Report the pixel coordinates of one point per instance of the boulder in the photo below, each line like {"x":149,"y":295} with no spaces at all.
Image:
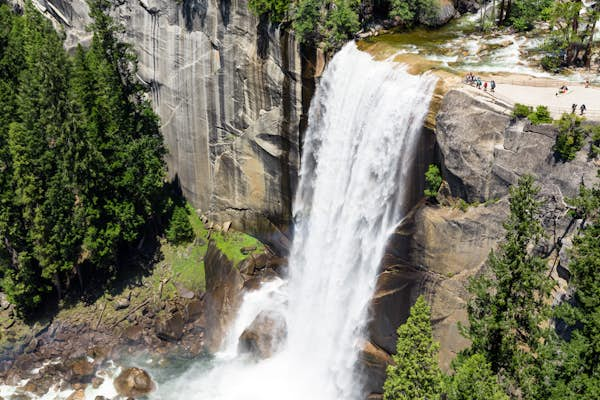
{"x":194,"y":309}
{"x":264,"y":335}
{"x":170,"y":327}
{"x":134,"y":382}
{"x":121,"y":304}
{"x":443,"y":14}
{"x":133,"y":333}
{"x":80,"y":369}
{"x":4,"y":303}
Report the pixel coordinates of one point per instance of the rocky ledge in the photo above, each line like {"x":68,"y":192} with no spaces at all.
{"x":482,"y":151}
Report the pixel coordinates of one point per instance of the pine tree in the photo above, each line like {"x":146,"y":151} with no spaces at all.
{"x":579,"y":371}
{"x":180,"y":229}
{"x":473,"y":380}
{"x":118,"y":159}
{"x":33,"y":140}
{"x":508,"y":310}
{"x":415,"y":374}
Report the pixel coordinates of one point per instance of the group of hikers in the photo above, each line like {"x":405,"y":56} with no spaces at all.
{"x":582,"y":108}
{"x":478,"y":83}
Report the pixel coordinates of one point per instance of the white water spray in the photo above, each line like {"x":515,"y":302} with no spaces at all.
{"x":363,"y":129}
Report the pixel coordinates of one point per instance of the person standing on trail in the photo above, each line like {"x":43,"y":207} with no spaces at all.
{"x":582,"y":108}
{"x":492,"y":85}
{"x":573,"y":108}
{"x":485,"y":86}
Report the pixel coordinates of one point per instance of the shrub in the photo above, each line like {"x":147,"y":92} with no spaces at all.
{"x":180,"y":229}
{"x":595,"y":144}
{"x":341,"y":23}
{"x":521,"y":110}
{"x":275,"y":9}
{"x":541,"y":115}
{"x":570,"y":137}
{"x":411,"y":12}
{"x":306,"y":17}
{"x":433,"y":181}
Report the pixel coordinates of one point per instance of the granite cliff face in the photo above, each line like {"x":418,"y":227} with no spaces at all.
{"x":228,"y":90}
{"x":436,"y":248}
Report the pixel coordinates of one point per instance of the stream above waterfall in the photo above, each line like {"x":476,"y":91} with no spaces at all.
{"x":460,"y":47}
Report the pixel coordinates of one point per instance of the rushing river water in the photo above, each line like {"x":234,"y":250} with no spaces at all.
{"x":364,"y":123}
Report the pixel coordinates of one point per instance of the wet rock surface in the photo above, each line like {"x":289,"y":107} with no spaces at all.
{"x":134,"y":382}
{"x":264,"y":335}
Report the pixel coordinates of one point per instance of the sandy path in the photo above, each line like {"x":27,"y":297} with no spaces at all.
{"x":557,"y":104}
{"x":543,"y":92}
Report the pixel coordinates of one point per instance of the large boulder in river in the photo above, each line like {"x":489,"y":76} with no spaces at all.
{"x":443,"y":12}
{"x":134,"y":382}
{"x":264,"y":335}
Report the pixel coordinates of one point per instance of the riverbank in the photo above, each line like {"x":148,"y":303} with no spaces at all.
{"x":158,"y":313}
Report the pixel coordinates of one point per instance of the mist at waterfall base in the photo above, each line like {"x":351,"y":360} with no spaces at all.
{"x":363,"y":129}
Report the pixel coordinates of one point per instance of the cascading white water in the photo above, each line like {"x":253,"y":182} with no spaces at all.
{"x":363,"y":129}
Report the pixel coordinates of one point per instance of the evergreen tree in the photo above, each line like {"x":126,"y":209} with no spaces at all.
{"x":508,"y":310}
{"x":579,"y":372}
{"x":34,"y":138}
{"x":118,"y":136}
{"x":180,"y":229}
{"x":415,"y":374}
{"x":473,"y":380}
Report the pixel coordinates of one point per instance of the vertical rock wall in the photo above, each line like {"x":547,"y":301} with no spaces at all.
{"x":228,"y":90}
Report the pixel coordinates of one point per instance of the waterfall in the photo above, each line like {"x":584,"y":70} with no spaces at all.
{"x":363,"y":130}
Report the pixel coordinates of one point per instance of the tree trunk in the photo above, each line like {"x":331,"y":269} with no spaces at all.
{"x":58,"y":285}
{"x":587,"y":56}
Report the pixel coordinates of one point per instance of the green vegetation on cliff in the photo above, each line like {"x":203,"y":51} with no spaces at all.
{"x":81,"y":156}
{"x":415,"y":374}
{"x":433,"y":181}
{"x":510,"y":297}
{"x":522,"y":347}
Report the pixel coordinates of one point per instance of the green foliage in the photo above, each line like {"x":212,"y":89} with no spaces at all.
{"x":330,"y":22}
{"x":81,"y":155}
{"x":523,"y":14}
{"x":415,"y":374}
{"x":473,"y":380}
{"x":509,"y":300}
{"x":180,"y":229}
{"x":433,"y":181}
{"x":276,"y":10}
{"x":412,"y":12}
{"x":541,"y":115}
{"x":579,"y":370}
{"x":521,"y":110}
{"x":570,"y":137}
{"x":306,"y":20}
{"x":341,"y":23}
{"x":594,"y":132}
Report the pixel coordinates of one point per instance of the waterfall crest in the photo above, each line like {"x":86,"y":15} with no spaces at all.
{"x":363,"y":130}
